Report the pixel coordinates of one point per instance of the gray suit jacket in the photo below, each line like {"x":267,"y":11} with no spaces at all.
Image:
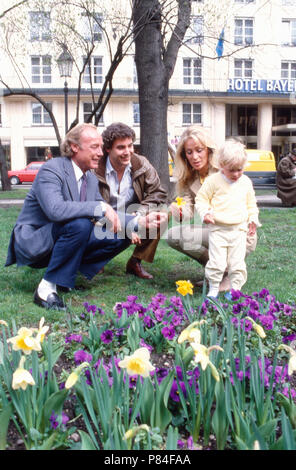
{"x":53,"y":198}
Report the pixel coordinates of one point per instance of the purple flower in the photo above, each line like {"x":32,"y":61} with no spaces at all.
{"x":168,"y":332}
{"x":288,"y":338}
{"x":73,"y":338}
{"x":55,"y":421}
{"x":266,"y":321}
{"x":246,"y":324}
{"x":236,"y":294}
{"x":287,"y":310}
{"x":161,"y":373}
{"x":145,"y":345}
{"x":236,"y":308}
{"x":180,"y":444}
{"x":159,"y":314}
{"x":174,"y":393}
{"x":148,"y":321}
{"x":107,"y":336}
{"x":90,"y":308}
{"x":263,"y":293}
{"x":82,"y":356}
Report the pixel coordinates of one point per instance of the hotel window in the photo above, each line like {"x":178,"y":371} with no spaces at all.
{"x":91,"y":27}
{"x":242,"y":68}
{"x":41,"y":69}
{"x":191,"y":113}
{"x":39,"y":26}
{"x":288,"y":32}
{"x":94,"y":70}
{"x":39,"y":114}
{"x":191,"y":71}
{"x":136,"y":113}
{"x":243,"y":31}
{"x":288,"y":70}
{"x":194,"y":34}
{"x":87,"y":111}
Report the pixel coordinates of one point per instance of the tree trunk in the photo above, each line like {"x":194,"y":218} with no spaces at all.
{"x":155,"y":64}
{"x":3,"y":170}
{"x":153,"y":85}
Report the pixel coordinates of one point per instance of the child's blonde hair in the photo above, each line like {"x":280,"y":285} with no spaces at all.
{"x":232,"y":154}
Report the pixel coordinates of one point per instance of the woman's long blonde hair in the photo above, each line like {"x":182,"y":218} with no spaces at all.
{"x":183,"y":171}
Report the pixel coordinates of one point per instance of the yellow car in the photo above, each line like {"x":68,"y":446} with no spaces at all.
{"x":261,"y":166}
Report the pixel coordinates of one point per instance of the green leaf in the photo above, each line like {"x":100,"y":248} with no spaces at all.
{"x":4,"y":422}
{"x":54,"y":404}
{"x":86,"y":441}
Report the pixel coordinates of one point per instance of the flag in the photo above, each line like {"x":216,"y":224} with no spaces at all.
{"x":220,"y":44}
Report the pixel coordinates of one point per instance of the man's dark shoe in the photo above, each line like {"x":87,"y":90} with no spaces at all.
{"x":134,"y":267}
{"x":53,"y":301}
{"x":65,"y":290}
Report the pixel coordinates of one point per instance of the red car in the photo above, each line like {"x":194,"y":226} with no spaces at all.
{"x":27,"y":175}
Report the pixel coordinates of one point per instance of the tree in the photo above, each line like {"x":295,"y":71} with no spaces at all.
{"x":155,"y":62}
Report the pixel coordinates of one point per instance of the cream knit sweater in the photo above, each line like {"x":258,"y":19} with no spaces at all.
{"x":229,"y":203}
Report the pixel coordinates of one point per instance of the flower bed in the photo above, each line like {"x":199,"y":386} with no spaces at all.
{"x":169,"y":375}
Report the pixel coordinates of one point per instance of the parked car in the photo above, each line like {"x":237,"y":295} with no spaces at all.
{"x":261,"y":167}
{"x":27,"y":175}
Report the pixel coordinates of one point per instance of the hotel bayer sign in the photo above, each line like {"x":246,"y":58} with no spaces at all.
{"x":253,"y":85}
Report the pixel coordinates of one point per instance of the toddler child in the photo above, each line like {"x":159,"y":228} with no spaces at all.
{"x":226,"y":201}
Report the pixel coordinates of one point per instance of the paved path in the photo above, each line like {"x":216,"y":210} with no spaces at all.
{"x":266,"y":200}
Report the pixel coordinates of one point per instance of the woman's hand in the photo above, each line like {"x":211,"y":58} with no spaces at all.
{"x":176,"y":211}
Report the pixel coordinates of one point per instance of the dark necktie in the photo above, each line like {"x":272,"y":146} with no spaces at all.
{"x":83,"y":188}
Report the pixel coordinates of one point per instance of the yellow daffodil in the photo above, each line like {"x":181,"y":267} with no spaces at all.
{"x":202,"y":356}
{"x":74,"y":376}
{"x":3,"y":322}
{"x":257,"y":328}
{"x":138,"y":363}
{"x":180,"y":202}
{"x":22,"y":377}
{"x":25,"y":341}
{"x":292,"y":360}
{"x":42,"y":330}
{"x":184,"y":287}
{"x":191,"y":333}
{"x":134,"y":431}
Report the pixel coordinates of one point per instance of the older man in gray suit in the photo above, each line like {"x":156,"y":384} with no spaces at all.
{"x":56,"y":227}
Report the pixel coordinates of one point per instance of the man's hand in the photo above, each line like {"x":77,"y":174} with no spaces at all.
{"x":153,"y":219}
{"x":135,"y":240}
{"x":209,"y":219}
{"x":113,"y":218}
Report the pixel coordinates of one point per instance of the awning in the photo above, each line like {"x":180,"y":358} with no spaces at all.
{"x":284,"y":128}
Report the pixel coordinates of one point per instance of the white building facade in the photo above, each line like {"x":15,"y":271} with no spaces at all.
{"x":250,"y":92}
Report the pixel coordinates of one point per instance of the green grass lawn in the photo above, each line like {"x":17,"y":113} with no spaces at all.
{"x":15,"y":193}
{"x":272,"y":266}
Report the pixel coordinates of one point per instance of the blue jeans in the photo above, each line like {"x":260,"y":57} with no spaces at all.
{"x":77,"y":249}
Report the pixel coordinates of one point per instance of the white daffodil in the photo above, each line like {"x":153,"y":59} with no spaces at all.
{"x":202,"y":356}
{"x":25,"y":341}
{"x":292,"y":360}
{"x":138,"y":363}
{"x":21,"y":377}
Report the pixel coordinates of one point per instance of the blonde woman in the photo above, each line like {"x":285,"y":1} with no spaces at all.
{"x":194,"y":161}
